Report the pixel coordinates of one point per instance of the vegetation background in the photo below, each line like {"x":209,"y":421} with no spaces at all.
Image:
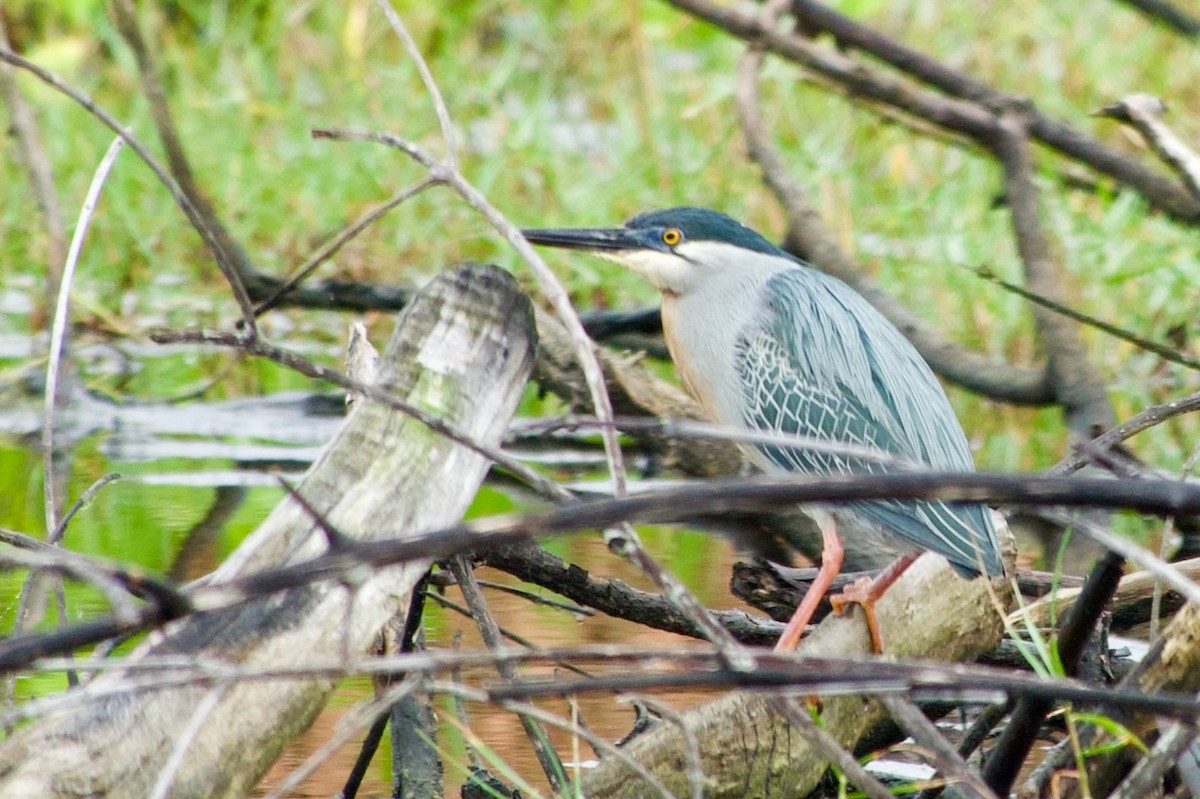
{"x":568,"y":113}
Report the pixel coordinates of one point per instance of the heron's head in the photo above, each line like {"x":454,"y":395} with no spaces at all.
{"x":675,"y":249}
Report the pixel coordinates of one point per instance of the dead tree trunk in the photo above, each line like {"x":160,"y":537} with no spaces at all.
{"x":463,"y":352}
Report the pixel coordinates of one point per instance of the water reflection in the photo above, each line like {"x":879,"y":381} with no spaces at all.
{"x":181,"y":509}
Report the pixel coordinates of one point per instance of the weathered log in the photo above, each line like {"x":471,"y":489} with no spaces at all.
{"x":462,"y":351}
{"x":1130,"y":604}
{"x":745,"y":749}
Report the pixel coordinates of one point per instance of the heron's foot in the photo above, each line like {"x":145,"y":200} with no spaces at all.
{"x":864,"y":593}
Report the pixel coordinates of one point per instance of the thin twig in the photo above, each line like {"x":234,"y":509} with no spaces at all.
{"x":331,"y":247}
{"x":39,"y":168}
{"x":489,"y":630}
{"x":59,"y":330}
{"x":349,"y":726}
{"x":945,"y":757}
{"x":1160,"y":191}
{"x":259,"y":348}
{"x":186,"y":737}
{"x":1144,"y":113}
{"x":1143,"y":420}
{"x":1168,"y":15}
{"x":431,"y":86}
{"x":82,"y":502}
{"x":1161,"y":350}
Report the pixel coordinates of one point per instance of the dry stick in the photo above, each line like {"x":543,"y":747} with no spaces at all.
{"x":431,"y":86}
{"x":225,"y":261}
{"x":962,"y":366}
{"x":690,"y":428}
{"x":79,"y":504}
{"x":1145,"y":778}
{"x":600,"y":744}
{"x":489,"y":630}
{"x":1161,"y":192}
{"x":687,"y":667}
{"x":1167,"y":14}
{"x":407,"y":643}
{"x":36,"y":555}
{"x":1144,"y":420}
{"x":945,"y":757}
{"x":331,"y":247}
{"x":125,"y":16}
{"x":531,"y":563}
{"x":39,"y":168}
{"x":447,"y":172}
{"x":58,"y":334}
{"x":1144,"y":113}
{"x":348,"y":726}
{"x":205,"y":708}
{"x":1161,"y":350}
{"x":298,"y":363}
{"x":1157,"y":597}
{"x":1077,"y":386}
{"x":1164,"y":497}
{"x":511,"y":635}
{"x":1130,"y":551}
{"x":59,"y":331}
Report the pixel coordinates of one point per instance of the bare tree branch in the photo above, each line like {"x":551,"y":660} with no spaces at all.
{"x":1160,"y":191}
{"x":1168,"y":15}
{"x":1145,"y":113}
{"x":1077,"y":386}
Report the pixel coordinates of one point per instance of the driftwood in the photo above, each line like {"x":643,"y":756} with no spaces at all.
{"x":463,"y":351}
{"x":745,"y":749}
{"x":1130,"y":605}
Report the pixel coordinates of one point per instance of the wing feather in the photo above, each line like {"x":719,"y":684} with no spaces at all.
{"x":822,"y":362}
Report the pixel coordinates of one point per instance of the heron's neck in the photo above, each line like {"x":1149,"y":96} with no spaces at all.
{"x":702,"y":328}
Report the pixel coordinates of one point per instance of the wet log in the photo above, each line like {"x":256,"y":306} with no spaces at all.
{"x":745,"y":749}
{"x":462,"y":351}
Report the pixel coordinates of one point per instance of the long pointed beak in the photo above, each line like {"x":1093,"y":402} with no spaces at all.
{"x":592,"y":239}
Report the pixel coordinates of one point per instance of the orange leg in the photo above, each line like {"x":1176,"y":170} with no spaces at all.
{"x":866,"y":592}
{"x":831,"y":565}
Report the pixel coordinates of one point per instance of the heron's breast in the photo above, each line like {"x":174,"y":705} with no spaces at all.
{"x":702,"y":338}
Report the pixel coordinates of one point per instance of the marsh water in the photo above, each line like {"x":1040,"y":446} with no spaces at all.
{"x":196,"y":477}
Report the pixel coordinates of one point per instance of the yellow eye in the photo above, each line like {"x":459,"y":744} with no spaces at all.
{"x":672,"y":236}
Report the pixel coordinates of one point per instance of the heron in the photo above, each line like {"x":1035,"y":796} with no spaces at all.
{"x":764,"y":341}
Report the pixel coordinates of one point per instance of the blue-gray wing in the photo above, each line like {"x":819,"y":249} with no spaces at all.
{"x":823,"y":363}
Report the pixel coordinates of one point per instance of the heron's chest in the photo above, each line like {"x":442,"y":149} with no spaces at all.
{"x":702,"y":336}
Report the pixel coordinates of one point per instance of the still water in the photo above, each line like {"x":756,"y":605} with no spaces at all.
{"x":195,"y":482}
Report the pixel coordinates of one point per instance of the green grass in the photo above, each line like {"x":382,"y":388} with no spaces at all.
{"x":582,"y":114}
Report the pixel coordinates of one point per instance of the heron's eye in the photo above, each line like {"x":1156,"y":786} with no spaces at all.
{"x":672,"y":236}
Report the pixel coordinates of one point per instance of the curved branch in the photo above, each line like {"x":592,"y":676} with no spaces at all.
{"x":1167,"y":15}
{"x":1144,"y":113}
{"x":1077,"y":385}
{"x":1159,"y":190}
